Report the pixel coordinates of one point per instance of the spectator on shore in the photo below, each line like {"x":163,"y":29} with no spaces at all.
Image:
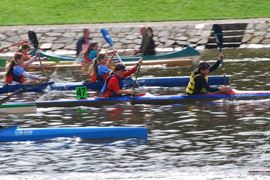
{"x":83,"y":42}
{"x":147,"y":44}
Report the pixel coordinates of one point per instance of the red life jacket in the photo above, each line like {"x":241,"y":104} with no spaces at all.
{"x":11,"y":77}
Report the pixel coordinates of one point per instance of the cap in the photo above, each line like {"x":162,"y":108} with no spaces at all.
{"x":120,"y":67}
{"x":203,"y":65}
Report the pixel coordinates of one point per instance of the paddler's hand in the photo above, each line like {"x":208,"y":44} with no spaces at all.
{"x":224,"y":88}
{"x":130,"y":91}
{"x":42,"y":79}
{"x":139,"y":63}
{"x":37,"y":55}
{"x":221,"y":56}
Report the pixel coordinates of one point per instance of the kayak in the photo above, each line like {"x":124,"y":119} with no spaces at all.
{"x":26,"y":88}
{"x":174,"y":81}
{"x":144,"y":99}
{"x":15,"y":133}
{"x":184,"y":53}
{"x":184,"y":57}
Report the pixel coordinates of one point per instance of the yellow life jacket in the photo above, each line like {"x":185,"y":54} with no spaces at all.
{"x":191,"y":84}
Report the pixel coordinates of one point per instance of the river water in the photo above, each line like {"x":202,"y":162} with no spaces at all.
{"x":222,"y":139}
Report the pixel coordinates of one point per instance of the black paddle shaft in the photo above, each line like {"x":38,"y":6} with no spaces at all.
{"x":5,"y":99}
{"x":218,"y":36}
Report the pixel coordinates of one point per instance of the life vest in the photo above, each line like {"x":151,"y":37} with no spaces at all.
{"x":191,"y":85}
{"x":95,"y":77}
{"x":12,"y":77}
{"x":86,"y":59}
{"x":105,"y":88}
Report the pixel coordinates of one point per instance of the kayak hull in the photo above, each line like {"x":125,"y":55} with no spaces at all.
{"x":174,"y":81}
{"x":186,"y":52}
{"x":146,"y":99}
{"x":15,"y":133}
{"x":177,"y":81}
{"x":26,"y":88}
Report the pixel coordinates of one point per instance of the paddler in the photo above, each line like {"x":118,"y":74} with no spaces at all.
{"x":24,"y":49}
{"x":16,"y":73}
{"x":100,"y":70}
{"x":91,"y":53}
{"x":114,"y":83}
{"x":198,"y":83}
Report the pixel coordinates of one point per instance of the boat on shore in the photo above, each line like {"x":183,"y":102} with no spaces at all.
{"x":173,"y":81}
{"x":15,"y":133}
{"x":184,"y":53}
{"x":143,"y":99}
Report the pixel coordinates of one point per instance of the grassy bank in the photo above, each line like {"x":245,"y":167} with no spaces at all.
{"x":18,"y":12}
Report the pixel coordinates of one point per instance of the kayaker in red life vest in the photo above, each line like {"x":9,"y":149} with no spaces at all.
{"x":17,"y":75}
{"x":100,"y":70}
{"x":198,"y":83}
{"x":24,"y":50}
{"x":114,"y":84}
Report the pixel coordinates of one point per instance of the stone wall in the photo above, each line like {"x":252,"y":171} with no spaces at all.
{"x":126,"y":36}
{"x":257,"y":33}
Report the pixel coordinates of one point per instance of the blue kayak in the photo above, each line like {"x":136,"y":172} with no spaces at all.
{"x":144,"y":99}
{"x":174,"y":81}
{"x":15,"y":133}
{"x":26,"y":88}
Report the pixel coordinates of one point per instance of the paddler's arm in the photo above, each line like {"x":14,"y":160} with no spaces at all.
{"x":132,"y":70}
{"x":215,"y":66}
{"x":201,"y":82}
{"x":20,"y":71}
{"x":29,"y":62}
{"x":111,"y":58}
{"x":114,"y":85}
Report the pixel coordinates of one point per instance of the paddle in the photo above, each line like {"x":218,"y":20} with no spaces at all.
{"x":5,"y":99}
{"x":219,"y":39}
{"x":106,"y":35}
{"x":14,"y":44}
{"x":33,"y":39}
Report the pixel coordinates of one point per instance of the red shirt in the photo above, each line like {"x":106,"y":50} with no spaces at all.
{"x":113,"y":83}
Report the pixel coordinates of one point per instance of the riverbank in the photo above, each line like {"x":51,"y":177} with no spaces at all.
{"x":61,"y":39}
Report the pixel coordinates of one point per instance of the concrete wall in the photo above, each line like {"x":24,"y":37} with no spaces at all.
{"x":167,"y":34}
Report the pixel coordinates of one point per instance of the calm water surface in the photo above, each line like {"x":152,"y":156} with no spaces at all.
{"x":196,"y":140}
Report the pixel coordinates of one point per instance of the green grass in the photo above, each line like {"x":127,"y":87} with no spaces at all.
{"x":20,"y":12}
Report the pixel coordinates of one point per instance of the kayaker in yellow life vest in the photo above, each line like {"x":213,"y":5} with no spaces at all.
{"x":198,"y":83}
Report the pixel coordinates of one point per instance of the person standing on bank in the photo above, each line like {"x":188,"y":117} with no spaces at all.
{"x":83,"y":42}
{"x":147,"y":44}
{"x":198,"y":83}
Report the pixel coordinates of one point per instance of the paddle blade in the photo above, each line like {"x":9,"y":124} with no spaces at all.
{"x":33,"y":38}
{"x":218,"y":35}
{"x":106,"y":35}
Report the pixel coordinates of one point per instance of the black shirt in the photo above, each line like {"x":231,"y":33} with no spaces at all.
{"x":200,"y":81}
